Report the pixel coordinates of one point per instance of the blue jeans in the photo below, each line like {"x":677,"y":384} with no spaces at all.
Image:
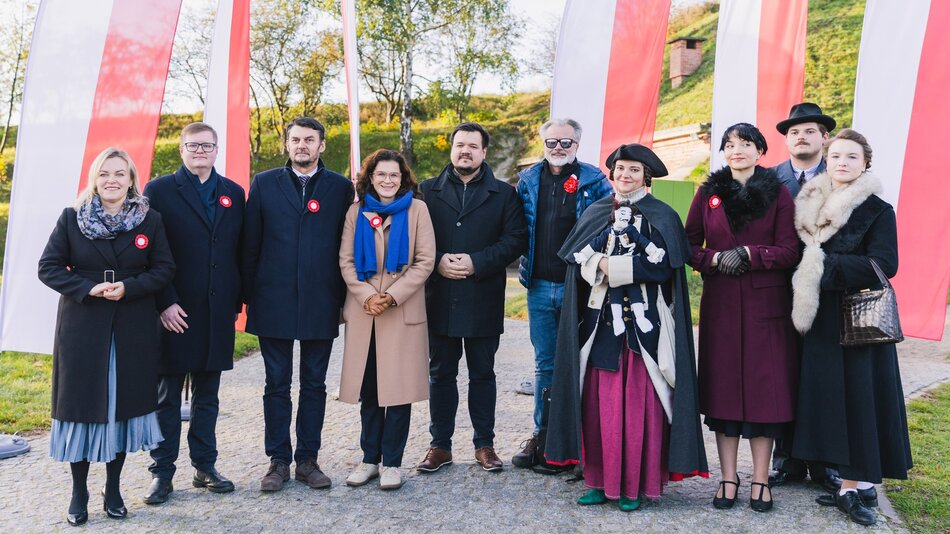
{"x":544,"y":313}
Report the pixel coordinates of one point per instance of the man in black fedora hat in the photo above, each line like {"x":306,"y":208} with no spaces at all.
{"x":805,"y":130}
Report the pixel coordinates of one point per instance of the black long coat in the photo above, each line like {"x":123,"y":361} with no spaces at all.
{"x":492,"y":230}
{"x":207,"y":282}
{"x":291,"y":257}
{"x":72,"y":264}
{"x":851,"y":403}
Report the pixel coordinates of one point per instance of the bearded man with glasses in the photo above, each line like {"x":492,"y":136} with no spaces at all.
{"x":203,"y":213}
{"x":554,"y":191}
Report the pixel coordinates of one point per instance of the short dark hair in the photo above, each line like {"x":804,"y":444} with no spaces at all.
{"x":364,"y":184}
{"x":306,"y":122}
{"x":471,"y":127}
{"x":746,"y":132}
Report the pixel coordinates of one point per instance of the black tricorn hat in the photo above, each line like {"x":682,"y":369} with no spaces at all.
{"x":805,"y":112}
{"x":637,"y":152}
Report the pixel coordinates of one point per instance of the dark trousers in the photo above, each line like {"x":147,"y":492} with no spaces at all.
{"x":444,"y":355}
{"x":385,"y":430}
{"x":278,"y":357}
{"x":202,"y":445}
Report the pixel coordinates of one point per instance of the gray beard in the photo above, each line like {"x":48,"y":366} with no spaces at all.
{"x":559,"y":162}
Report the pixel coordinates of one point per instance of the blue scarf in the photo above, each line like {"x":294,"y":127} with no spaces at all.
{"x":397,"y":249}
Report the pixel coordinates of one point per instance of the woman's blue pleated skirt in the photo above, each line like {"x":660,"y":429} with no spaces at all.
{"x":100,"y":442}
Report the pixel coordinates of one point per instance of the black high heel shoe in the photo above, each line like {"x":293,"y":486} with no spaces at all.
{"x":118,"y":512}
{"x":80,"y":517}
{"x":724,"y":503}
{"x":761,"y":505}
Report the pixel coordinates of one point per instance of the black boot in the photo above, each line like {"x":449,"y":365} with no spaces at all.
{"x":78,"y":512}
{"x":112,"y":501}
{"x":851,"y":504}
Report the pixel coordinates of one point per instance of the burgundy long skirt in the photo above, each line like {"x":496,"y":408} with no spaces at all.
{"x":624,"y":431}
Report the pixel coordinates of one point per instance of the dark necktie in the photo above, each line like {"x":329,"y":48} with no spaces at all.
{"x":801,"y":179}
{"x":303,"y":179}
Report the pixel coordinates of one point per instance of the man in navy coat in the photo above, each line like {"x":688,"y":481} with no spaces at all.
{"x":294,"y":291}
{"x":202,"y":212}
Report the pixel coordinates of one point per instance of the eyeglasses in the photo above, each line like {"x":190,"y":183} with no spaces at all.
{"x":382,"y":176}
{"x":193,"y":147}
{"x":565,"y":143}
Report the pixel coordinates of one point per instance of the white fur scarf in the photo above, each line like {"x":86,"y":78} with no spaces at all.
{"x":820,"y":212}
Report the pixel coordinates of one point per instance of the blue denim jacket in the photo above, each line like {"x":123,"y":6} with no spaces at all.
{"x":592,"y":186}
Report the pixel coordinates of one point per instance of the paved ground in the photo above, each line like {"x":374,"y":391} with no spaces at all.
{"x":34,"y":491}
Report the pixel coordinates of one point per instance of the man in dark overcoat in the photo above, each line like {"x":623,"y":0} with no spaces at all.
{"x":805,"y":130}
{"x":202,"y":212}
{"x":294,"y":291}
{"x":479,"y":230}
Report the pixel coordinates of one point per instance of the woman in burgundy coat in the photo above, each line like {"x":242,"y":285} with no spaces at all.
{"x":741,"y":229}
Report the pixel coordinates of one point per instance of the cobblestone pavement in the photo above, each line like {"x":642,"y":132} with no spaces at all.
{"x":34,"y":491}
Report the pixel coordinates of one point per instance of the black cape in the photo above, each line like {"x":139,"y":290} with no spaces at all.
{"x":687,"y":454}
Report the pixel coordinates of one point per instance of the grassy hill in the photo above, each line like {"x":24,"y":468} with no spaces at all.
{"x":831,"y":59}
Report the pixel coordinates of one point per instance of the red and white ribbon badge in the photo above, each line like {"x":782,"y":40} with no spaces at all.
{"x":141,"y":241}
{"x":313,"y":206}
{"x":715,"y":201}
{"x":225,"y":201}
{"x":376,"y":221}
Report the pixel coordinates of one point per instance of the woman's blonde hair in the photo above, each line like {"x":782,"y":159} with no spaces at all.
{"x":112,"y":152}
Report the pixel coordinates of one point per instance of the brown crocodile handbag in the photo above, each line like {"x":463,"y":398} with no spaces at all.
{"x":869,"y":317}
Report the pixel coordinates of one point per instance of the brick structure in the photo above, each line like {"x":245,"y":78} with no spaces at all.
{"x":686,"y":54}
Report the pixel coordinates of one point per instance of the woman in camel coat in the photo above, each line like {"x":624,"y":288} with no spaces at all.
{"x":386,"y":256}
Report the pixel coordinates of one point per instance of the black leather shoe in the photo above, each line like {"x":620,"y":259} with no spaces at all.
{"x":158,"y":491}
{"x":528,"y":455}
{"x":78,"y":519}
{"x":724,"y":503}
{"x":826,"y":500}
{"x":851,"y":504}
{"x":831,"y":483}
{"x":114,"y":512}
{"x":760,"y":504}
{"x":780,"y":477}
{"x":869,"y":497}
{"x":212,"y":480}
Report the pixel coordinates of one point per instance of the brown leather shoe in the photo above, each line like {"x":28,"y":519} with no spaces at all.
{"x":309,"y":472}
{"x":435,"y":459}
{"x":487,"y":458}
{"x":277,"y":474}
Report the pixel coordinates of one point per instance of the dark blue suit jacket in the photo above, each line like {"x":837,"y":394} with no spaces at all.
{"x":207,"y":283}
{"x":788,"y":178}
{"x":291,"y":264}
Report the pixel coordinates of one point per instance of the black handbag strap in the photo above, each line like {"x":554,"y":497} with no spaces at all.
{"x":880,"y":274}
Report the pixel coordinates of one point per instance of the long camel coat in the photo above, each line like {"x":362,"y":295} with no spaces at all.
{"x":402,"y":337}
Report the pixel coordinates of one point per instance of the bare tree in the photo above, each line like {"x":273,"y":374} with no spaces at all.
{"x":15,"y":38}
{"x":191,"y":54}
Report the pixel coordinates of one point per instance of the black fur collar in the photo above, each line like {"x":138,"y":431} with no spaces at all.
{"x":743,"y":204}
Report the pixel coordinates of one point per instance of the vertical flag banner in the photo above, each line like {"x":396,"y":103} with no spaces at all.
{"x":900,"y":104}
{"x":608,"y":70}
{"x":350,"y":62}
{"x":760,"y":69}
{"x":227,"y":105}
{"x":95,"y":77}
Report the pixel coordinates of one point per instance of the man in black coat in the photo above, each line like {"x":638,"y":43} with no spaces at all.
{"x":294,"y":291}
{"x":202,"y":213}
{"x":479,"y":230}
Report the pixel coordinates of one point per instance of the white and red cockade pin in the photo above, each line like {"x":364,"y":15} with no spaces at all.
{"x":141,"y":241}
{"x":715,"y":201}
{"x":225,"y":201}
{"x":376,"y":221}
{"x":570,"y":185}
{"x":313,"y":206}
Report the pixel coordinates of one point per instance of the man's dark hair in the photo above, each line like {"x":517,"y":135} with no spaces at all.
{"x":306,"y":122}
{"x":471,"y":127}
{"x":746,"y":132}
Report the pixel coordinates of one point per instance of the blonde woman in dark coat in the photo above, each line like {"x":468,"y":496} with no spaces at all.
{"x":108,"y":257}
{"x":851,"y":404}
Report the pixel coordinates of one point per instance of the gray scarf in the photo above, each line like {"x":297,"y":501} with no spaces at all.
{"x":95,"y":223}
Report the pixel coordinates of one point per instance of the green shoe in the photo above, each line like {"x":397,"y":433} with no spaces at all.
{"x":628,"y":505}
{"x":592,"y":497}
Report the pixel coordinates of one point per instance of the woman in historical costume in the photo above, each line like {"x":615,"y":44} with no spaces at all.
{"x":741,"y":229}
{"x":386,"y":256}
{"x":852,"y":412}
{"x":108,"y":257}
{"x":626,"y":396}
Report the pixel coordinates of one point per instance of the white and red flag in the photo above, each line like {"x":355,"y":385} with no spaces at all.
{"x":760,"y":70}
{"x":351,"y":62}
{"x":95,"y":78}
{"x":227,"y":105}
{"x":901,"y":106}
{"x":608,"y":71}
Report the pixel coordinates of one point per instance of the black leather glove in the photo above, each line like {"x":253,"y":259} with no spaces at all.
{"x":732,"y":263}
